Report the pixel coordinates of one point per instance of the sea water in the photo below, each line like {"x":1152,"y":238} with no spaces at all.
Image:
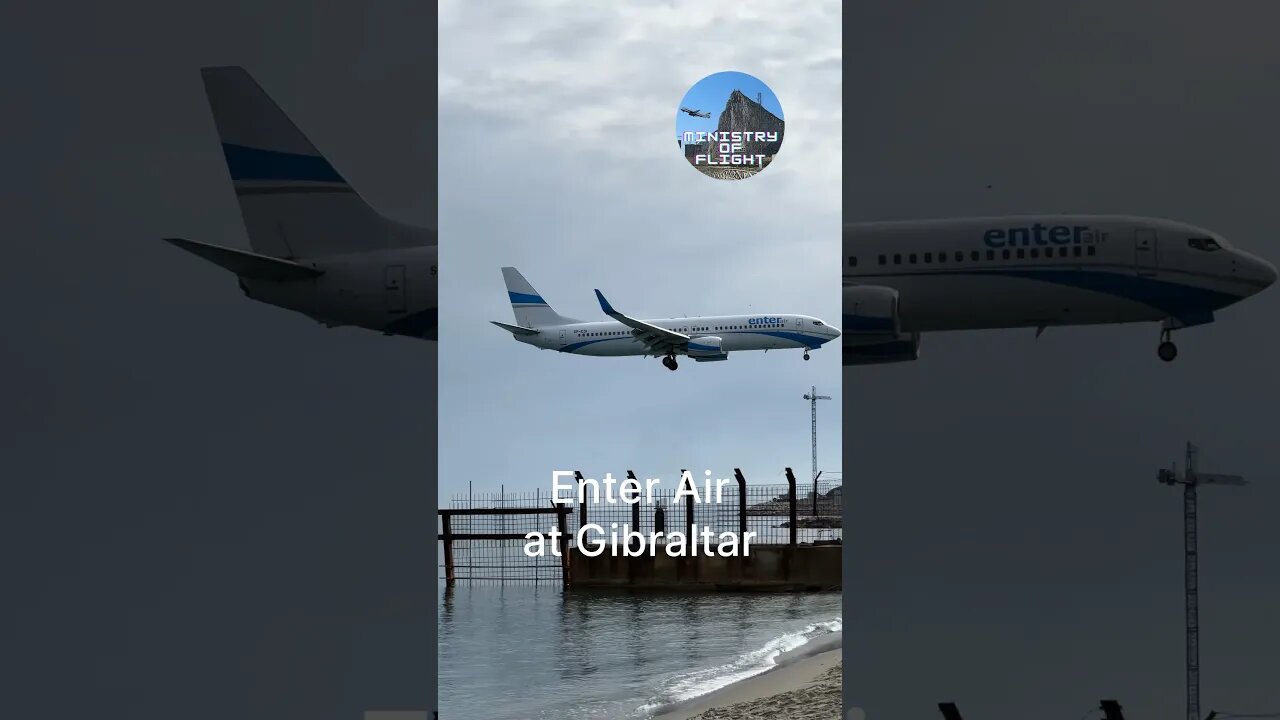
{"x":537,"y":653}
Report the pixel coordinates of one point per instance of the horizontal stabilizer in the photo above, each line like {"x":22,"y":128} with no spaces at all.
{"x":247,"y":264}
{"x":515,"y":329}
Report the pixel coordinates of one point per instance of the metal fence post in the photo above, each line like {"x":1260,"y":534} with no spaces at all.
{"x":449,"y":577}
{"x":742,"y":503}
{"x":562,"y":520}
{"x":582,"y":495}
{"x":635,"y":513}
{"x":791,"y":490}
{"x":635,"y":507}
{"x":688,"y":509}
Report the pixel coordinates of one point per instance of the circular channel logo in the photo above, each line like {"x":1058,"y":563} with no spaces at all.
{"x":729,"y":126}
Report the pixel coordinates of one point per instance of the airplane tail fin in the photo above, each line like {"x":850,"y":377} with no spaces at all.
{"x":527,"y":304}
{"x":294,"y":203}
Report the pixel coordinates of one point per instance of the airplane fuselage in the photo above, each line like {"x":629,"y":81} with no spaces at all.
{"x":736,"y":333}
{"x":392,"y":291}
{"x":1034,"y":271}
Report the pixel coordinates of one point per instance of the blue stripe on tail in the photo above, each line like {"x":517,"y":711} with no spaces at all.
{"x":526,"y":299}
{"x":246,"y":163}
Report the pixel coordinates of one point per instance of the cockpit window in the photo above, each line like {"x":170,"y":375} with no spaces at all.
{"x":817,"y":322}
{"x":1204,"y":244}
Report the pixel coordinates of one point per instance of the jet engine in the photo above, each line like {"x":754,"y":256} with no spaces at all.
{"x":870,"y":310}
{"x":902,"y":348}
{"x":706,"y":348}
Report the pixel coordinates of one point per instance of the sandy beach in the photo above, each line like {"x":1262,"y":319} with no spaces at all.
{"x":806,"y":688}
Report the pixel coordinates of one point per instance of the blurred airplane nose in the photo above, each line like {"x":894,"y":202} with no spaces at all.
{"x":835,"y":330}
{"x":1259,"y":271}
{"x":1268,"y":271}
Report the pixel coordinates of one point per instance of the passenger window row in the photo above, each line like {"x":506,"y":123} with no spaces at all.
{"x":959,"y":256}
{"x":707,"y":328}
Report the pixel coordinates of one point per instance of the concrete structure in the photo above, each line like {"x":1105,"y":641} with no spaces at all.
{"x":781,"y":568}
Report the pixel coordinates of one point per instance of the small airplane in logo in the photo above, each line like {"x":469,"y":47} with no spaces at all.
{"x":695,"y":113}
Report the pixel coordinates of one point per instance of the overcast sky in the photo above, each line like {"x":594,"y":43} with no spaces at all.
{"x":1008,"y":546}
{"x":213,"y":508}
{"x":557,"y":157}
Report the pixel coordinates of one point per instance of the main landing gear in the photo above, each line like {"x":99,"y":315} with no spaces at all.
{"x":670,"y":362}
{"x":1167,"y":350}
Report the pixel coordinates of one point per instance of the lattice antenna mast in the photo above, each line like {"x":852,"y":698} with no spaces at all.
{"x":813,"y":397}
{"x":1192,"y":478}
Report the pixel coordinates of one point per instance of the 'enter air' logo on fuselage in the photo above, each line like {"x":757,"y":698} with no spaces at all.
{"x":766,"y":322}
{"x":1041,"y":235}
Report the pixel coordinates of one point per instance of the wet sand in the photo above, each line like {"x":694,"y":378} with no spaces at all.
{"x":807,"y":688}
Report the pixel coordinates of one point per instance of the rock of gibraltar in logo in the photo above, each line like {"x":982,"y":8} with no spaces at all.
{"x":729,"y":126}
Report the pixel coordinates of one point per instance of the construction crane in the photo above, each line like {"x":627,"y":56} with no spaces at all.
{"x":1190,"y":480}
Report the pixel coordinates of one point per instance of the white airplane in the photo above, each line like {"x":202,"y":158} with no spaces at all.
{"x":318,"y":248}
{"x":906,"y":278}
{"x":701,"y":338}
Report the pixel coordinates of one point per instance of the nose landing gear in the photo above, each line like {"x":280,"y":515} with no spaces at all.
{"x":806,"y":354}
{"x":1167,"y":350}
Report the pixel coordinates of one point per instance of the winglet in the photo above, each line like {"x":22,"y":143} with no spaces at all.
{"x":604,"y":304}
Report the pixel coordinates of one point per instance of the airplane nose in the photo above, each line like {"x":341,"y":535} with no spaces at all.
{"x":835,"y":332}
{"x":1260,"y":272}
{"x":1268,"y":272}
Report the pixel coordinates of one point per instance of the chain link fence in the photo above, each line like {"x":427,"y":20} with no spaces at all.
{"x":484,"y":533}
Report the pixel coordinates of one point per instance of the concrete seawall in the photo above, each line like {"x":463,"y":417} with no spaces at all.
{"x":783,"y":568}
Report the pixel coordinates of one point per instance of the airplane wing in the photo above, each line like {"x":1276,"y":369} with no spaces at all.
{"x":658,"y":339}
